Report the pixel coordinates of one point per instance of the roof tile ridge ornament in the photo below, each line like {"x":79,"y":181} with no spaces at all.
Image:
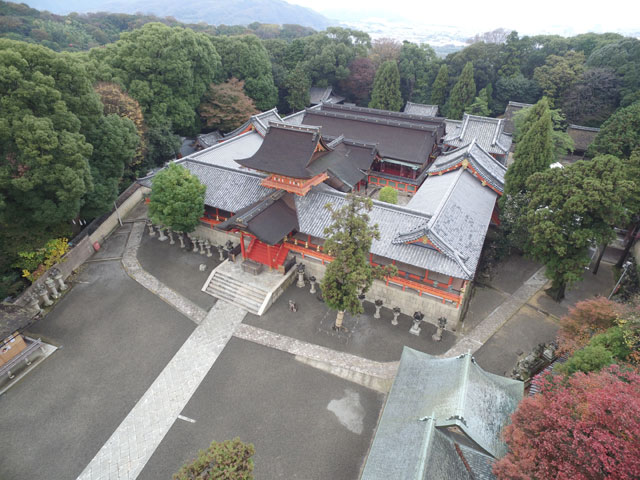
{"x":462,"y":399}
{"x":465,"y":122}
{"x":498,"y":131}
{"x":421,"y":466}
{"x":336,"y":141}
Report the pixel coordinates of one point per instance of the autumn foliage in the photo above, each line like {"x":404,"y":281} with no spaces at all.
{"x":226,"y":105}
{"x":586,"y":427}
{"x":586,"y":319}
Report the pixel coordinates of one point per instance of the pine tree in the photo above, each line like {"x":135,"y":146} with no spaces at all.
{"x":440,"y":85}
{"x":349,"y":241}
{"x":386,"y":93}
{"x":534,"y":153}
{"x":463,"y":93}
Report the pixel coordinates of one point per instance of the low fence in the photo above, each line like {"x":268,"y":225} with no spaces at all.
{"x":96,"y":231}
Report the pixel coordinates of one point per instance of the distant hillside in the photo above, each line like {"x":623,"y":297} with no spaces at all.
{"x":215,"y":12}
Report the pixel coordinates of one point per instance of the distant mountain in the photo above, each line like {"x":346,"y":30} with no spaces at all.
{"x":215,"y":12}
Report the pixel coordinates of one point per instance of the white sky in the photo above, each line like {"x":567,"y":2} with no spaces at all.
{"x":480,"y":16}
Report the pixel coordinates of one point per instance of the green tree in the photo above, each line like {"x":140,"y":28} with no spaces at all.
{"x":177,"y":199}
{"x":534,"y":152}
{"x":525,"y":117}
{"x":225,"y":106}
{"x":591,"y":358}
{"x":386,"y":88}
{"x":389,"y":195}
{"x":620,"y":134}
{"x":558,"y":74}
{"x":440,"y":87}
{"x":228,"y":460}
{"x":462,"y":93}
{"x":246,"y":58}
{"x":570,"y":209}
{"x":298,"y":85}
{"x":349,"y":241}
{"x":480,"y":105}
{"x":416,"y":65}
{"x":167,"y":70}
{"x":511,"y":56}
{"x":114,"y":141}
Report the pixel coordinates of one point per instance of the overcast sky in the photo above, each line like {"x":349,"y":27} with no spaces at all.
{"x":481,"y":16}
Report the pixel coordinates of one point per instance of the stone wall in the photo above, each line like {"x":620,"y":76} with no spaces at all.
{"x":216,"y":237}
{"x":111,"y":222}
{"x":409,"y":301}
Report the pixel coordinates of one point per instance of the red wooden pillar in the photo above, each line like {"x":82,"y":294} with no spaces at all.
{"x":269,"y":255}
{"x":244,"y":256}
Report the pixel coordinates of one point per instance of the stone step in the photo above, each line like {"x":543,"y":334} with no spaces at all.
{"x":233,"y":281}
{"x":233,"y":290}
{"x":243,"y":302}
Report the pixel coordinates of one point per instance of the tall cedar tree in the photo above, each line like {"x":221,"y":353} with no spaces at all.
{"x":440,"y":87}
{"x":585,"y":427}
{"x":569,"y":210}
{"x":228,"y":460}
{"x":386,"y":88}
{"x":225,"y":106}
{"x":525,"y":117}
{"x":177,"y":199}
{"x":462,"y":93}
{"x":480,"y":105}
{"x":534,"y":151}
{"x":298,"y":84}
{"x":349,"y":241}
{"x":620,"y":134}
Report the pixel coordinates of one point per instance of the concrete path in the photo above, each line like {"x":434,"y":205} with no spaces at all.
{"x":134,"y":441}
{"x":496,"y":319}
{"x":134,"y":270}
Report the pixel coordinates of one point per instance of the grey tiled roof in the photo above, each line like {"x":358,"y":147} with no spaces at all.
{"x":511,"y":109}
{"x":260,"y":122}
{"x":428,"y":395}
{"x":459,"y":223}
{"x":582,"y":136}
{"x":491,"y":170}
{"x":488,"y":132}
{"x":421,"y":109}
{"x":209,"y":139}
{"x":227,"y":188}
{"x":226,"y":153}
{"x":318,"y":95}
{"x":313,"y":218}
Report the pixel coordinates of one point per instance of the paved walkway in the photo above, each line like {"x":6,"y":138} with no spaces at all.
{"x":383,"y":370}
{"x":134,"y":441}
{"x":151,"y":283}
{"x":496,"y":319}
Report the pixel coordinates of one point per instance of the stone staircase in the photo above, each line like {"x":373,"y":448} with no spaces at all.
{"x":250,"y":297}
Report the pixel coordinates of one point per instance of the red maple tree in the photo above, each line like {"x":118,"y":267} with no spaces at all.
{"x":585,"y":427}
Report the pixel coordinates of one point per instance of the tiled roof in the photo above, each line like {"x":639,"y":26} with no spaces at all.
{"x":428,"y":396}
{"x":286,"y":150}
{"x":460,"y":218}
{"x":400,"y":140}
{"x":319,"y":94}
{"x":509,"y":112}
{"x":491,"y":170}
{"x":582,"y":136}
{"x":349,"y":161}
{"x":209,"y":139}
{"x":226,"y":153}
{"x":227,"y":189}
{"x":313,"y":218}
{"x":421,"y":109}
{"x":488,"y":133}
{"x":260,"y":122}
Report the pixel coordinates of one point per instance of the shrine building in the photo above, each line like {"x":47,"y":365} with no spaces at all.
{"x":269,"y":181}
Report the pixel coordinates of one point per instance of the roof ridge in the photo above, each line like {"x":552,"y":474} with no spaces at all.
{"x":298,"y":128}
{"x":355,"y":108}
{"x":222,"y":167}
{"x":390,"y":123}
{"x":588,"y":129}
{"x":382,"y":205}
{"x":493,"y":159}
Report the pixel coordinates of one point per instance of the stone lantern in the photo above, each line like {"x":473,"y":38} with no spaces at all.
{"x":396,"y":314}
{"x":378,"y":303}
{"x":312,"y":281}
{"x":417,"y":319}
{"x":442,"y":322}
{"x":300,"y":269}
